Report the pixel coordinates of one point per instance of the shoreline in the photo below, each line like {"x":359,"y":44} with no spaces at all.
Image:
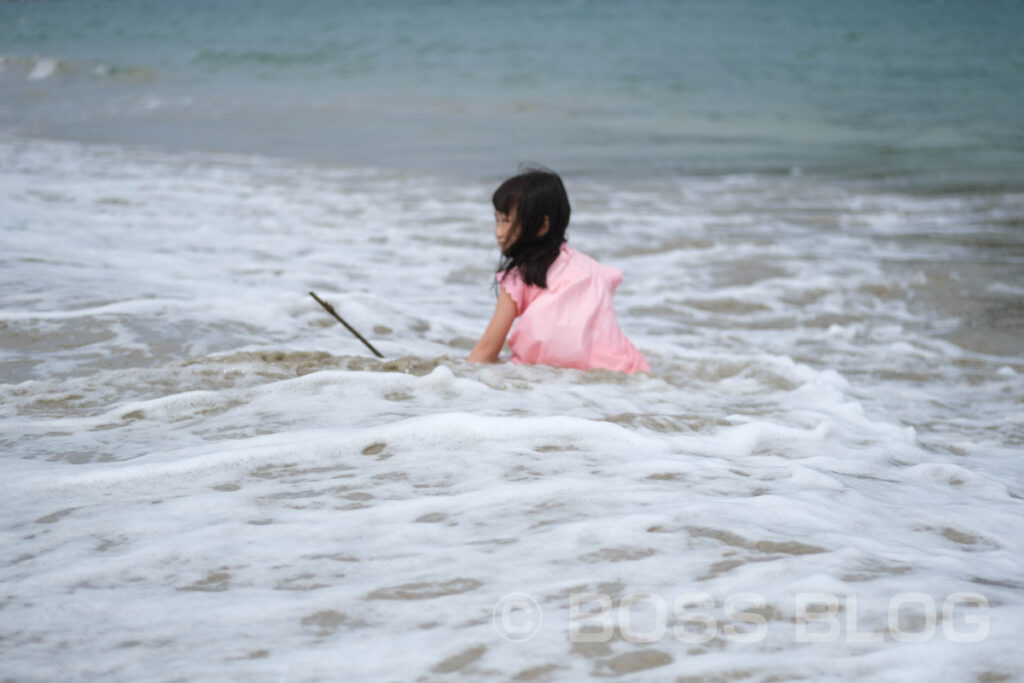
{"x":476,"y":168}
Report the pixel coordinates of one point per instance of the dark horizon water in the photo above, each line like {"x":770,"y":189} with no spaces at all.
{"x":914,"y":94}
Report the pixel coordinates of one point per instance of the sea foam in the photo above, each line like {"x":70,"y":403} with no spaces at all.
{"x":206,"y":476}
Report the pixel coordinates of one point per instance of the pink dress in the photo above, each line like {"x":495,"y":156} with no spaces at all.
{"x":572,"y":322}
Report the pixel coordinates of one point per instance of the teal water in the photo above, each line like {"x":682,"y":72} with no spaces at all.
{"x":916,"y":93}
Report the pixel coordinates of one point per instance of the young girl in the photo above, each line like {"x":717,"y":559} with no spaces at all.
{"x":563,"y":299}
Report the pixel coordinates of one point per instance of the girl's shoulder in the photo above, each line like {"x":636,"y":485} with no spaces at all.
{"x":571,"y":266}
{"x":579,"y":265}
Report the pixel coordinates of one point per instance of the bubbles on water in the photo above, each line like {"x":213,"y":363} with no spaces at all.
{"x":805,"y":424}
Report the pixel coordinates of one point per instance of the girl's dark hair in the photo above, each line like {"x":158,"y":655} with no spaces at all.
{"x":533,"y":194}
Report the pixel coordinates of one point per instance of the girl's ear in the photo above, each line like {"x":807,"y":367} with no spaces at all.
{"x":544,"y":228}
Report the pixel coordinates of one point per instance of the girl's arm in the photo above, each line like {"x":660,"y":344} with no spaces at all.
{"x":489,"y":346}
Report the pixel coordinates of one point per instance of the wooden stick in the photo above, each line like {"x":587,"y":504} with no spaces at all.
{"x":330,"y":309}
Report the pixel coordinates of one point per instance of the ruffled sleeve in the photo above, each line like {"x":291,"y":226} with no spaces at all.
{"x":612,"y":276}
{"x":512,"y":283}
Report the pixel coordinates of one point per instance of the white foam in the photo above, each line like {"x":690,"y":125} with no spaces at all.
{"x":43,"y":69}
{"x":205,"y":474}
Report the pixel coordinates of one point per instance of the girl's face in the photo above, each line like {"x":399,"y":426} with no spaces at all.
{"x":505,"y":229}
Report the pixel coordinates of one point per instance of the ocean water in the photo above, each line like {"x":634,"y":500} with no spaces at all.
{"x":912,"y":92}
{"x":820,"y":219}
